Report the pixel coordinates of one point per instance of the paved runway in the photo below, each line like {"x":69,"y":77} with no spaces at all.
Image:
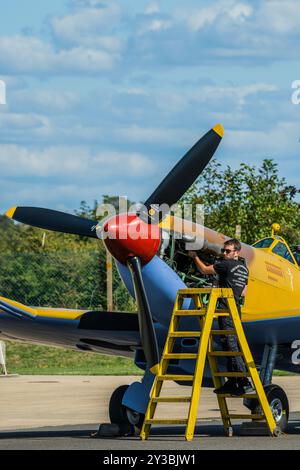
{"x":209,"y":436}
{"x":60,"y":412}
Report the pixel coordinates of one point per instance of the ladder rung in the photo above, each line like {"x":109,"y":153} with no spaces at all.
{"x":232,"y":374}
{"x":245,"y":395}
{"x":223,"y":332}
{"x":225,"y":353}
{"x":185,"y":334}
{"x":174,"y":377}
{"x":236,"y":416}
{"x":193,"y":291}
{"x":180,"y":356}
{"x":221,"y":314}
{"x":190,"y":313}
{"x":165,"y":421}
{"x":171,"y":399}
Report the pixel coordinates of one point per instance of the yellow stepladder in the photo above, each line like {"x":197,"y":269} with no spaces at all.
{"x":206,"y":314}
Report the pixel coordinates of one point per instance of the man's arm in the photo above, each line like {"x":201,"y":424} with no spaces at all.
{"x":200,"y":265}
{"x":243,"y":294}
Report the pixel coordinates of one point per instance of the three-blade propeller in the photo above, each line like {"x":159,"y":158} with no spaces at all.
{"x":169,"y":191}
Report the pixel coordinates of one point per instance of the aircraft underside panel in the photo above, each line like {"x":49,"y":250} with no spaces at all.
{"x":99,"y":332}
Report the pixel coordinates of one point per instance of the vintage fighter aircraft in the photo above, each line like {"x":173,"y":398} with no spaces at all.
{"x":153,"y":271}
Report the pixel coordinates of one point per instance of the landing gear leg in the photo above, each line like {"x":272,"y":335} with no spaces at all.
{"x":275,"y":395}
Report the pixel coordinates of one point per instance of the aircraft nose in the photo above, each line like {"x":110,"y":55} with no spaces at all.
{"x":126,"y":235}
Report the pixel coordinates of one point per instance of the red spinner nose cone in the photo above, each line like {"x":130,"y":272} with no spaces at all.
{"x":127,"y":235}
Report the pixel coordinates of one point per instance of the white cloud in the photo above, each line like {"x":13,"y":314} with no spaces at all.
{"x":23,"y":54}
{"x":280,"y":17}
{"x":222,"y":11}
{"x":22,"y":121}
{"x":157,"y":135}
{"x":278,"y":141}
{"x":46,"y":100}
{"x":152,"y":8}
{"x":240,"y":12}
{"x":154,"y":25}
{"x":75,"y":162}
{"x":237,"y":94}
{"x":85,"y":25}
{"x":81,"y":59}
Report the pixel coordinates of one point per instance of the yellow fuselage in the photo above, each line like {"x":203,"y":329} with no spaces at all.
{"x":274,"y":282}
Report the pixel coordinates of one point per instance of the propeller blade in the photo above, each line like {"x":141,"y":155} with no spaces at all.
{"x":49,"y":219}
{"x":182,"y":176}
{"x":147,"y":332}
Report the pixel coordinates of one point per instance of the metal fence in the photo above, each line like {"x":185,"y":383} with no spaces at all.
{"x":59,"y":279}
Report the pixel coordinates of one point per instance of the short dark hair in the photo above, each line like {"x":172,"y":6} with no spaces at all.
{"x":235,"y":242}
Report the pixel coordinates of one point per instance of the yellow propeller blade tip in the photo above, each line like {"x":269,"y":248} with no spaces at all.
{"x":10,"y":212}
{"x":155,"y":369}
{"x":219,"y":129}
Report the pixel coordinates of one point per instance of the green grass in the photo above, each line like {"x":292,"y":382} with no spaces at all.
{"x":283,"y":373}
{"x":29,"y":359}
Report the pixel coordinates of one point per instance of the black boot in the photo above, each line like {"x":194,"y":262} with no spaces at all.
{"x":244,"y":386}
{"x":230,"y":387}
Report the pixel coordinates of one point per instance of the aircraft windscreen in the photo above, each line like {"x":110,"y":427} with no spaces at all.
{"x":281,"y":250}
{"x":265,"y":243}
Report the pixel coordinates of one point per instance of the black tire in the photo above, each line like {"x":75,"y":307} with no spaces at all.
{"x":279,"y":404}
{"x":117,"y":412}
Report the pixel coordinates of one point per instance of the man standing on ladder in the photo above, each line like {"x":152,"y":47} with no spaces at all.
{"x":232,"y":273}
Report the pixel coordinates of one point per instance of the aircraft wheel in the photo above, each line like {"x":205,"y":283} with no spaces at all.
{"x":135,"y":418}
{"x":117,"y":412}
{"x":279,"y":405}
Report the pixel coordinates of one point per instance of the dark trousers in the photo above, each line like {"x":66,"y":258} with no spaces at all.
{"x":230,"y":343}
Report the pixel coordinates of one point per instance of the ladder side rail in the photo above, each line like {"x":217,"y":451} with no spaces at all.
{"x":213,"y":364}
{"x":162,"y":369}
{"x":206,"y":325}
{"x":251,"y":365}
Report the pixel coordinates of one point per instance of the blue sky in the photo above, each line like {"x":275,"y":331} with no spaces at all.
{"x":103,"y":97}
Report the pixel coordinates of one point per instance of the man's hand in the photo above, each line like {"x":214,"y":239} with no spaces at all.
{"x":200,"y":265}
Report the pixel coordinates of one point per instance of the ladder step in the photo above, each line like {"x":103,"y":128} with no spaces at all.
{"x":223,"y":332}
{"x":165,"y":421}
{"x":232,"y":374}
{"x":225,"y":353}
{"x":245,"y":395}
{"x":185,"y":334}
{"x":180,"y":356}
{"x":171,"y":399}
{"x":237,"y":416}
{"x":188,"y":378}
{"x":190,"y":313}
{"x":189,"y":292}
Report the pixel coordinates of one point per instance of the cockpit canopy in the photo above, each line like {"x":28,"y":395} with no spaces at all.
{"x":279,"y":246}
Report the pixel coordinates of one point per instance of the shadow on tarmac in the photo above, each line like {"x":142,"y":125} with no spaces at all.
{"x":205,"y":430}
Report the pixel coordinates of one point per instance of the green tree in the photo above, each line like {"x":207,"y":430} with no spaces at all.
{"x":248,"y":196}
{"x":41,"y":267}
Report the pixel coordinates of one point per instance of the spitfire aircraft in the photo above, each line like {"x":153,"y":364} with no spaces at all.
{"x":153,"y":271}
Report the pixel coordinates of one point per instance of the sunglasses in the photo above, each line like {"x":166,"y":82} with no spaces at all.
{"x":225,"y":250}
